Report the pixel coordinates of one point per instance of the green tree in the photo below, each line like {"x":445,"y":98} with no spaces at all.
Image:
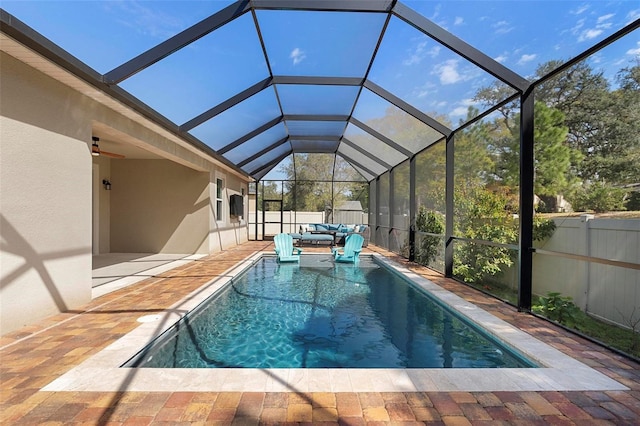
{"x":306,"y":182}
{"x":356,"y":191}
{"x":429,"y":246}
{"x":405,"y":129}
{"x":474,"y":162}
{"x":319,"y":182}
{"x":553,"y":156}
{"x":614,"y":154}
{"x":602,"y":129}
{"x":603,"y":124}
{"x":349,"y":184}
{"x":484,"y":215}
{"x":431,"y":177}
{"x":599,"y":197}
{"x":269,"y":190}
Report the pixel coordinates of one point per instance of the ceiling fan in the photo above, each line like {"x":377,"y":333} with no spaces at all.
{"x":96,"y":151}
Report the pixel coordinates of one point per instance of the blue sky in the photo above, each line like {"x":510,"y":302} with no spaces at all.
{"x":519,"y":34}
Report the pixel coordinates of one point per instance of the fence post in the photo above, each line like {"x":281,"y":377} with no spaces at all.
{"x":585,"y":220}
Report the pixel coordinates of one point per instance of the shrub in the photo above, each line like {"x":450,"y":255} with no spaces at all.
{"x":557,"y":308}
{"x":429,"y":246}
{"x":543,"y":228}
{"x":632,"y":202}
{"x":484,"y":215}
{"x":599,"y":197}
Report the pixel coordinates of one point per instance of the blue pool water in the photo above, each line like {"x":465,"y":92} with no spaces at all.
{"x":324,"y":315}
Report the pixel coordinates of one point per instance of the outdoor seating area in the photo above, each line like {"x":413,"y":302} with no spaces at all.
{"x":350,"y":253}
{"x":285,"y":250}
{"x":329,"y":234}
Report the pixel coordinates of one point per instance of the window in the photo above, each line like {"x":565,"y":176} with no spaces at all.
{"x":219,"y":204}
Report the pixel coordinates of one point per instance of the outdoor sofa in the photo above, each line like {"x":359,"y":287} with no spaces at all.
{"x":316,"y":233}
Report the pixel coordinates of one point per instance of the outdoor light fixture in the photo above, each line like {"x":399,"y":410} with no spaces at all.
{"x":107,"y":184}
{"x":95,"y":149}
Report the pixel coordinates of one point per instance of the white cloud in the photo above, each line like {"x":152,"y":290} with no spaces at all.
{"x":602,"y":23}
{"x":605,"y":25}
{"x":468,"y":102}
{"x":459,"y":20}
{"x":452,"y":71}
{"x":502,"y":27}
{"x":526,"y":58}
{"x":421,"y":52}
{"x":596,"y":58}
{"x":436,"y":12}
{"x":463,"y":108}
{"x":428,"y":89}
{"x":634,"y":52}
{"x":603,"y":18}
{"x":580,"y":9}
{"x":448,"y":72}
{"x":297,"y":55}
{"x":633,"y":15}
{"x":620,"y":63}
{"x":145,"y":20}
{"x":460,"y":111}
{"x":425,"y":93}
{"x":578,"y":26}
{"x":589,"y":34}
{"x":413,"y":59}
{"x":502,"y":58}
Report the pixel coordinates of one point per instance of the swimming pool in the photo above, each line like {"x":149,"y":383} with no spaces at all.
{"x":104,"y":371}
{"x":320,"y":314}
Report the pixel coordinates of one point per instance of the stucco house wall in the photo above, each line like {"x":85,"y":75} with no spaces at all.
{"x":47,"y":184}
{"x":158,"y":206}
{"x":45,"y":197}
{"x":101,"y":199}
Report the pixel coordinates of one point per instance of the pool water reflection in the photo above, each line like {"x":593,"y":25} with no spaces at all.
{"x":324,"y":315}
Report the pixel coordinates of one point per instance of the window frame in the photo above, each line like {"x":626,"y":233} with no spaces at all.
{"x":219,"y":198}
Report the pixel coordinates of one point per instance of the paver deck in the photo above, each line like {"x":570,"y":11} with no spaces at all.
{"x":34,"y":356}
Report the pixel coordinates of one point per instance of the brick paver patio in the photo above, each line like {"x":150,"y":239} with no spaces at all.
{"x":36,"y":355}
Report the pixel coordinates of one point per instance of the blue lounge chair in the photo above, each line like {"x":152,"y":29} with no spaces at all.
{"x":351,"y":251}
{"x":284,"y":248}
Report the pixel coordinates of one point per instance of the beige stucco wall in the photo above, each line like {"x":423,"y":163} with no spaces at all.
{"x":103,"y":202}
{"x":45,"y":198}
{"x":158,"y":206}
{"x":46,"y":181}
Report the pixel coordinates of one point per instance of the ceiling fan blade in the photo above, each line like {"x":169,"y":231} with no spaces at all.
{"x":111,"y":154}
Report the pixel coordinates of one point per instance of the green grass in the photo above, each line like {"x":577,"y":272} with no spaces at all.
{"x":620,"y":338}
{"x":500,"y":291}
{"x":611,"y":335}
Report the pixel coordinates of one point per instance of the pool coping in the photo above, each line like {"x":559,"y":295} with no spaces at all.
{"x":559,"y":372}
